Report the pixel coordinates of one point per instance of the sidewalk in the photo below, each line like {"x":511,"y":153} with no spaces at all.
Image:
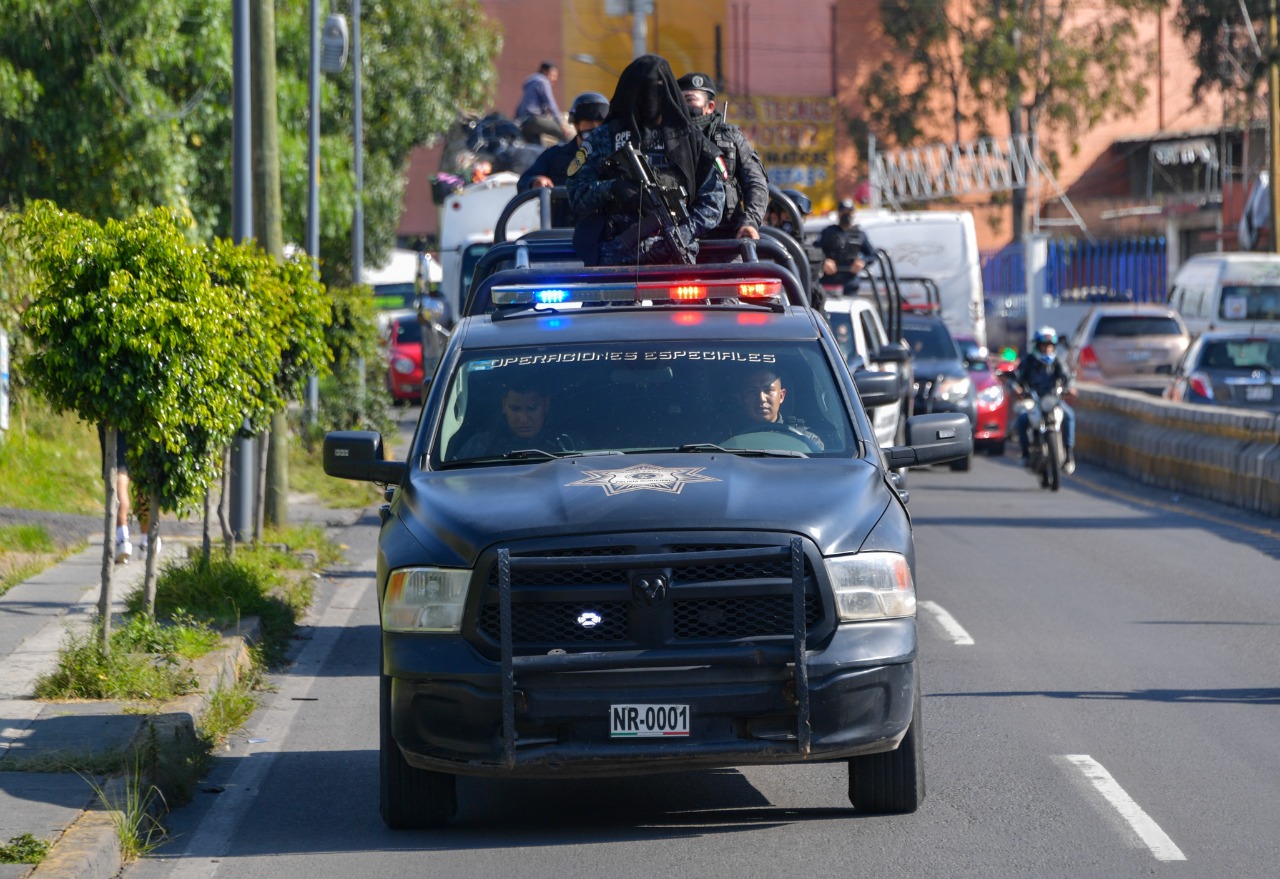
{"x":34,"y":618}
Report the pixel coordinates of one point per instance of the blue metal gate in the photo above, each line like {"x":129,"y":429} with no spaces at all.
{"x":1120,"y":270}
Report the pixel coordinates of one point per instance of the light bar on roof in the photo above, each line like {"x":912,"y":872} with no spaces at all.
{"x":692,"y":291}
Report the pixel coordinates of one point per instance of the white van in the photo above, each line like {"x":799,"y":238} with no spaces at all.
{"x":941,"y":246}
{"x":467,"y":220}
{"x":1228,"y":291}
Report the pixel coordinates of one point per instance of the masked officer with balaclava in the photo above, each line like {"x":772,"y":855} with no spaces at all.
{"x":746,"y":194}
{"x":615,"y":227}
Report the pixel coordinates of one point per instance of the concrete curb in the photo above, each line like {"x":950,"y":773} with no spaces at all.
{"x":90,"y":847}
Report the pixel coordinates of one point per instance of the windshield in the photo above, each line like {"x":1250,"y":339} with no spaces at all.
{"x":930,"y":341}
{"x":406,"y":331}
{"x":1137,"y":325}
{"x":760,"y":397}
{"x":1250,"y":303}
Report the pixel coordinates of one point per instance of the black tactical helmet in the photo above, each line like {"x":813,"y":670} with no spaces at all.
{"x":802,"y":202}
{"x":589,"y":107}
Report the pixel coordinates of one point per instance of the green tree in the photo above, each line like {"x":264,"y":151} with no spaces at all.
{"x":108,"y":110}
{"x":1228,"y":42}
{"x":126,"y":330}
{"x":1049,"y":69}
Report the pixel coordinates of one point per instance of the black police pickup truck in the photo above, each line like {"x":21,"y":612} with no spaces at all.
{"x":645,"y":525}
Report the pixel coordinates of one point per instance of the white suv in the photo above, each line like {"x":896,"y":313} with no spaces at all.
{"x":862,"y":339}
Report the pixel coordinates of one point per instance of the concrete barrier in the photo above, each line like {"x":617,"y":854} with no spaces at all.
{"x":1227,"y":455}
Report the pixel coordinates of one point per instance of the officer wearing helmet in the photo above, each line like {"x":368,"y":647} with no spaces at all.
{"x":1041,"y":371}
{"x":746,"y":193}
{"x":551,"y":168}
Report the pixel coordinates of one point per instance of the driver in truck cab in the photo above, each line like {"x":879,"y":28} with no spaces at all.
{"x":617,"y":224}
{"x":762,"y":393}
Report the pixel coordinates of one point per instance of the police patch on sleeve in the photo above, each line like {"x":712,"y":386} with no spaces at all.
{"x":580,"y":158}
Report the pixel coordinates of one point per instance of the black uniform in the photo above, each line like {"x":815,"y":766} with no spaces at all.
{"x":553,"y":163}
{"x":845,"y":246}
{"x":610,"y":231}
{"x":746,"y":194}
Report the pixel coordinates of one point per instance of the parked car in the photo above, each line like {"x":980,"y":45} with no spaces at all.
{"x":404,"y":359}
{"x":942,"y":382}
{"x":1230,"y":369}
{"x":1133,"y":345}
{"x":992,"y":396}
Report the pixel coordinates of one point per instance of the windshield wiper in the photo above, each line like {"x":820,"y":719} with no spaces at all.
{"x":749,"y":453}
{"x":526,"y":455}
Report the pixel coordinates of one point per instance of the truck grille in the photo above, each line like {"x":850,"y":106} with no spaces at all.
{"x":723,"y":600}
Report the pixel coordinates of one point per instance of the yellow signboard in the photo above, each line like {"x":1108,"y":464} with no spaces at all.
{"x":795,"y":137}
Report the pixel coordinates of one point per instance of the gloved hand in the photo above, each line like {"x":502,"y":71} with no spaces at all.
{"x":624,"y":196}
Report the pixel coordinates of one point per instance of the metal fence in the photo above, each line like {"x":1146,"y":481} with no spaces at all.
{"x":1121,"y":270}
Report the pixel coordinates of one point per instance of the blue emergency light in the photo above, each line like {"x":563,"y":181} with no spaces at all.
{"x":658,"y":292}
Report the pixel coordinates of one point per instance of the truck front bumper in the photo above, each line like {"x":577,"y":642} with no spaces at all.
{"x":454,"y":710}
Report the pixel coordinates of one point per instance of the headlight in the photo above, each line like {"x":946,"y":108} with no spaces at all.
{"x":992,"y":395}
{"x":953,"y":390}
{"x":425,"y":599}
{"x":872,"y":586}
{"x":402,"y":365}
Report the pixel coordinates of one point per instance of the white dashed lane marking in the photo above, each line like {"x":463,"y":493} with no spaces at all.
{"x":954,"y":630}
{"x":1147,"y":829}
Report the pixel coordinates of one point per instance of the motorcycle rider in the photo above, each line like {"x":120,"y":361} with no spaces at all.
{"x":746,"y":193}
{"x":1041,"y":371}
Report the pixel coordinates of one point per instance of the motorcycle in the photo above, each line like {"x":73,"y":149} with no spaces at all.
{"x":1047,"y":452}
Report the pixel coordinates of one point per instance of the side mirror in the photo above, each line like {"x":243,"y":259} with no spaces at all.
{"x":933,"y":439}
{"x":877,"y":388}
{"x":893,"y":352}
{"x":358,"y":454}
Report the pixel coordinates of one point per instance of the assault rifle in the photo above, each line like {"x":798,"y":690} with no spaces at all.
{"x":662,"y":205}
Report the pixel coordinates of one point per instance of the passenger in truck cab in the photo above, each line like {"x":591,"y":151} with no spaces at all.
{"x":761,"y":394}
{"x":525,"y":407}
{"x":617,"y":227}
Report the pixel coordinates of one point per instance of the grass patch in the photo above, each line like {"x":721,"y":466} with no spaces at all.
{"x":81,"y":762}
{"x":228,"y":710}
{"x":24,"y":849}
{"x":257,"y":582}
{"x":50,"y":462}
{"x":148,"y":661}
{"x":307,"y":476}
{"x":306,"y":536}
{"x":134,"y":804}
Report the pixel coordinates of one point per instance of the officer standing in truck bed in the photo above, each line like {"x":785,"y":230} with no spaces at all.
{"x":746,"y":194}
{"x":648,"y":112}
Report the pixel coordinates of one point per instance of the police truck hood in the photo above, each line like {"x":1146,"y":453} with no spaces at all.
{"x":834,"y":501}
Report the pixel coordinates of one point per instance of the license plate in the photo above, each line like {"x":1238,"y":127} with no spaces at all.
{"x":648,"y":721}
{"x":1257,"y":392}
{"x":1138,"y":355}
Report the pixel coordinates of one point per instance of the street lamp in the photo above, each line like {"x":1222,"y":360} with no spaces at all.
{"x":584,"y":58}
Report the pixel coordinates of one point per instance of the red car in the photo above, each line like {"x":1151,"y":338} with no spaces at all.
{"x":994,"y":397}
{"x":404,"y":359}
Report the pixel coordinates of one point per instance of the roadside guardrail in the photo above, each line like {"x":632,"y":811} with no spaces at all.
{"x":1227,"y":455}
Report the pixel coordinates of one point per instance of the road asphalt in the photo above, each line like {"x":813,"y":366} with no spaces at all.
{"x":35,"y":617}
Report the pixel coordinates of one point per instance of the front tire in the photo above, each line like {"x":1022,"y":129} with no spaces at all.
{"x":891,"y":783}
{"x":1053,"y":463}
{"x":410,"y":798}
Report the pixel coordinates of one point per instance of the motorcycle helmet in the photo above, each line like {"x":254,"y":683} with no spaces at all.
{"x":589,"y":107}
{"x":1044,"y":336}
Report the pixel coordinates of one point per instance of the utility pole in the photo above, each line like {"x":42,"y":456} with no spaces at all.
{"x":640,"y":10}
{"x":1273,"y":103}
{"x":243,"y":453}
{"x":312,"y":407}
{"x":275,"y":492}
